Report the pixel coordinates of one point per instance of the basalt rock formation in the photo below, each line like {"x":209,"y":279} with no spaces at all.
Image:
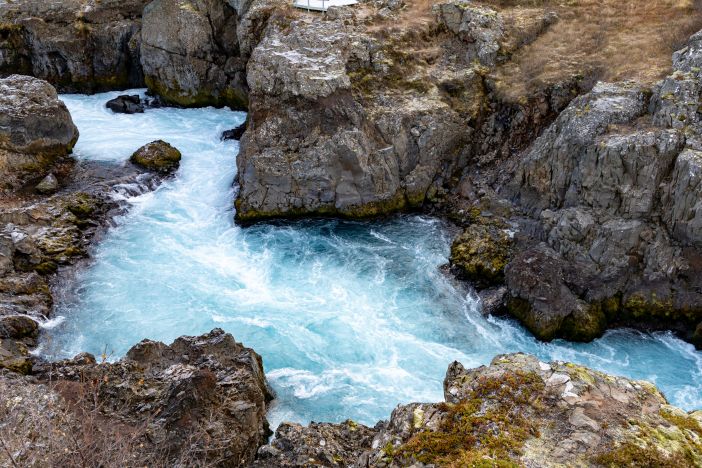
{"x":200,"y":400}
{"x":351,"y":115}
{"x":611,"y":193}
{"x":77,"y":46}
{"x":190,"y":53}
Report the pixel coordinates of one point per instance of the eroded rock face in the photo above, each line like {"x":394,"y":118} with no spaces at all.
{"x":78,"y":46}
{"x":614,"y":187}
{"x":314,"y":145}
{"x":200,"y":400}
{"x":190,"y":53}
{"x":36,"y":129}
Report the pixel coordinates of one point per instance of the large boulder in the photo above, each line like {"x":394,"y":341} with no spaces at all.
{"x":538,"y":282}
{"x":318,"y":444}
{"x":480,"y":254}
{"x":76,"y":45}
{"x":35,"y":129}
{"x":200,"y":400}
{"x":157,"y":156}
{"x":190,"y":53}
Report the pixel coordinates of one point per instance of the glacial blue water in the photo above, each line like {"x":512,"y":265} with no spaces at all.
{"x":351,"y":318}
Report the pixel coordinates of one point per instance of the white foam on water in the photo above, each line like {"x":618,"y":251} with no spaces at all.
{"x":351,"y":318}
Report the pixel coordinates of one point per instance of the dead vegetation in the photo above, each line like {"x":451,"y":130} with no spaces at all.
{"x":552,"y":41}
{"x":64,"y":423}
{"x":610,"y":40}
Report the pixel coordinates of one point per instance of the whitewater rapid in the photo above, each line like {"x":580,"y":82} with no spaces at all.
{"x":351,"y":318}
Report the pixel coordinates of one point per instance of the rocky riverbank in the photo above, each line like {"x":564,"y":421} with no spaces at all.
{"x":579,"y":201}
{"x":51,"y":211}
{"x":202,"y":400}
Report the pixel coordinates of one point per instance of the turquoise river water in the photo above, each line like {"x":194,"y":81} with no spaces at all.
{"x":351,"y":318}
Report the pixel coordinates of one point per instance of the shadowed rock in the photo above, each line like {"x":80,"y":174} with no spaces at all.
{"x":126,"y":104}
{"x":199,"y":401}
{"x":77,"y":46}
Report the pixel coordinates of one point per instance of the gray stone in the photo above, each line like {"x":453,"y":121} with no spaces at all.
{"x":76,"y":45}
{"x":48,"y":184}
{"x":35,"y":129}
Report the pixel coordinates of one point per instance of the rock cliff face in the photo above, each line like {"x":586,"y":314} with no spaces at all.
{"x":518,"y":411}
{"x":354,"y":116}
{"x":77,"y":46}
{"x":190,"y":53}
{"x":346,"y":122}
{"x":614,"y":186}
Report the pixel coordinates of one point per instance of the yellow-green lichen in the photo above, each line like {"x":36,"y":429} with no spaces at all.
{"x":489,"y":428}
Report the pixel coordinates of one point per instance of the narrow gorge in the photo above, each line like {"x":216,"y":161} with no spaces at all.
{"x":397,"y":233}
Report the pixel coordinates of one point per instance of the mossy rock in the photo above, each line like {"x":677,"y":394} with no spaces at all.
{"x":14,"y":356}
{"x":157,"y":156}
{"x":81,"y":205}
{"x":481,"y":253}
{"x":488,"y":428}
{"x":171,"y":93}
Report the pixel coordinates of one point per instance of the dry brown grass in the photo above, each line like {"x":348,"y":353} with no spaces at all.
{"x":610,"y":40}
{"x":62,"y":424}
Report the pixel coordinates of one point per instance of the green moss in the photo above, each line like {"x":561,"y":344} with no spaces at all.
{"x":489,"y":428}
{"x":679,"y":444}
{"x":481,"y":253}
{"x":642,"y":306}
{"x":631,"y":455}
{"x":157,"y":156}
{"x":582,"y":373}
{"x":81,"y":205}
{"x":46,"y":268}
{"x":174,"y":94}
{"x":585,"y":325}
{"x":367,"y":210}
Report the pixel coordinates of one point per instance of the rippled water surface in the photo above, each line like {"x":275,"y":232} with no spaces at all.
{"x":351,"y":318}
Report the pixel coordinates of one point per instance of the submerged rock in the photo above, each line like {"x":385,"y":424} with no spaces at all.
{"x":157,"y":156}
{"x":235,"y":133}
{"x":36,"y":129}
{"x":126,"y":104}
